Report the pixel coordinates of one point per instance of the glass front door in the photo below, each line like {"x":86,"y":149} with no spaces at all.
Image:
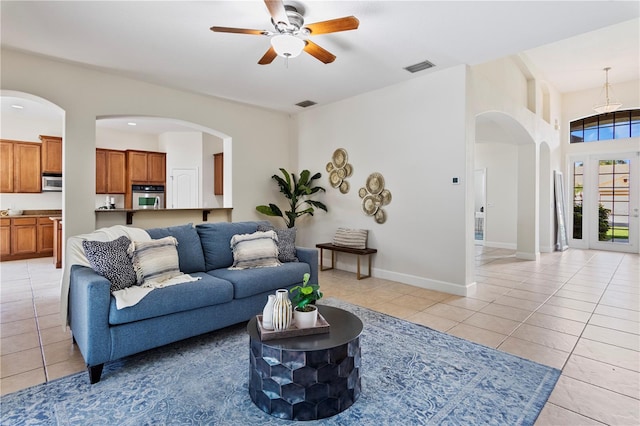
{"x":605,"y":202}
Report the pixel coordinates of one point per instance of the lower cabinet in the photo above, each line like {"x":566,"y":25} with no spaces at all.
{"x":26,"y":237}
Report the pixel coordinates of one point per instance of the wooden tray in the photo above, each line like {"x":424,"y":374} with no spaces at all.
{"x":322,"y":326}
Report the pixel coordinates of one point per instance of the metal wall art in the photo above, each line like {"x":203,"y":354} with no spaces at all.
{"x":374,"y":196}
{"x":339,"y":170}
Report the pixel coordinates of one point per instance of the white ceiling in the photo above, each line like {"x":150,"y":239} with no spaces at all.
{"x":169,"y":43}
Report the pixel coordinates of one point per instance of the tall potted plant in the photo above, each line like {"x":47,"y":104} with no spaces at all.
{"x":303,"y":298}
{"x":297,"y":192}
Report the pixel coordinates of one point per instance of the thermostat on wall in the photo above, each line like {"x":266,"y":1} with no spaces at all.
{"x":455,"y":181}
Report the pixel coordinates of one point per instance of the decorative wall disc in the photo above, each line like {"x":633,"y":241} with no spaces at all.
{"x":339,"y":157}
{"x":374,"y":196}
{"x":339,"y":170}
{"x":375,"y":183}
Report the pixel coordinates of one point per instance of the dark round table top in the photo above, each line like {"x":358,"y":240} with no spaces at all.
{"x":344,"y":327}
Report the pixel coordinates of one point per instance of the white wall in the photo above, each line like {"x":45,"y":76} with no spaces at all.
{"x":16,"y":127}
{"x":120,"y":140}
{"x":184,"y":151}
{"x":414,"y":134}
{"x":85,"y":94}
{"x":501,"y":212}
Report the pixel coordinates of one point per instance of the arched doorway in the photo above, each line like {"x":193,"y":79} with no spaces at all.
{"x":511,"y":158}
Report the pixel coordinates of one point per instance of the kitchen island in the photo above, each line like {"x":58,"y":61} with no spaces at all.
{"x":154,"y":218}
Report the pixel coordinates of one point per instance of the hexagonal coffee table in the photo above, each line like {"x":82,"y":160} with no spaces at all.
{"x":307,"y":377}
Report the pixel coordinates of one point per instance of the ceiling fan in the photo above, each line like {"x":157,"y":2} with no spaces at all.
{"x":289,"y":26}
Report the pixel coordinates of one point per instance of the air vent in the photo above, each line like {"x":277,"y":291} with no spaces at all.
{"x":305,"y":104}
{"x":419,"y":66}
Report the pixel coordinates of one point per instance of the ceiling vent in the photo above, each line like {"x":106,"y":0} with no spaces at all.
{"x":419,"y":66}
{"x":305,"y":104}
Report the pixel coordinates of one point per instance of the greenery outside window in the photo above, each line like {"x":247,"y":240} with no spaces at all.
{"x":609,"y":126}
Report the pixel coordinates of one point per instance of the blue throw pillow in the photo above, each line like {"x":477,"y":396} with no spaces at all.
{"x":190,"y":255}
{"x":216,"y":241}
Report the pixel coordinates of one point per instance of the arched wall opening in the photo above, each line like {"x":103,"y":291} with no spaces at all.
{"x":24,"y":118}
{"x":189,"y":147}
{"x":511,"y":158}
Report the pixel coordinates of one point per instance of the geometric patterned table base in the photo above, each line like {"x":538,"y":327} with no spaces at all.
{"x":304,"y":385}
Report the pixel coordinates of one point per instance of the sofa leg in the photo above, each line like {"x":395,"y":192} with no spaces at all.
{"x":95,"y":371}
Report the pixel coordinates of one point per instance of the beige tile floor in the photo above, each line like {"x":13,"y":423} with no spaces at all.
{"x":578,"y":311}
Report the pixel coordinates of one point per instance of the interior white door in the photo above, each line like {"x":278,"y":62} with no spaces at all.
{"x":184,"y":188}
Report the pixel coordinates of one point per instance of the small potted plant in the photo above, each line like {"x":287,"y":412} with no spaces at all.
{"x":305,"y":313}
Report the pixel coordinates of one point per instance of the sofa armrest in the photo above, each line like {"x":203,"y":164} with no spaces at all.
{"x":89,"y":299}
{"x":310,"y":256}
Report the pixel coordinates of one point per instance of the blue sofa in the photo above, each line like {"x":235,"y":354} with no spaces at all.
{"x":221,"y":297}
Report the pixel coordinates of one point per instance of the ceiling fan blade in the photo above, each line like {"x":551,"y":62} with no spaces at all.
{"x":334,"y":25}
{"x":237,"y":30}
{"x":268,"y":57}
{"x":319,"y":53}
{"x":277,"y":11}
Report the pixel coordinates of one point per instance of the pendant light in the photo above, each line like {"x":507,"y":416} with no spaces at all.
{"x":608,"y":105}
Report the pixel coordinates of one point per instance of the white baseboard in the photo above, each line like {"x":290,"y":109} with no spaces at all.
{"x":494,"y":244}
{"x":527,"y":256}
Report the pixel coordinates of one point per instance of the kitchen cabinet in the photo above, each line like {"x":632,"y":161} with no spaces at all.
{"x":21,"y":166}
{"x":218,"y":174}
{"x":6,"y":171}
{"x":156,"y":167}
{"x":51,"y":154}
{"x":110,"y":171}
{"x":45,"y":236}
{"x":24,"y":234}
{"x":146,"y":167}
{"x":5,"y":237}
{"x":25,"y":237}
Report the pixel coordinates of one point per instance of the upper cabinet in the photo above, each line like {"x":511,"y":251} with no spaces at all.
{"x":51,"y":154}
{"x":21,"y":171}
{"x":110,"y":171}
{"x":218,"y":174}
{"x":27,"y":173}
{"x":6,"y":171}
{"x":146,"y":167}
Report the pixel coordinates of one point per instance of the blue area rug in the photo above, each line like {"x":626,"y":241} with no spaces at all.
{"x":410,"y":374}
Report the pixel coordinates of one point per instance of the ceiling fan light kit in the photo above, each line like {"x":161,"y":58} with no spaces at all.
{"x":608,"y":105}
{"x":287,"y":45}
{"x":288,"y":24}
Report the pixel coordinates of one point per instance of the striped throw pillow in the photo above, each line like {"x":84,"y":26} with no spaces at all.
{"x":155,"y":261}
{"x":257,"y":250}
{"x":352,"y":238}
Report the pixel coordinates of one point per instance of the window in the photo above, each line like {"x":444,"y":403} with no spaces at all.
{"x":603,"y":127}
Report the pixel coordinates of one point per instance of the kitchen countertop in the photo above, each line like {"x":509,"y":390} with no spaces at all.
{"x":130,"y":212}
{"x":35,"y":213}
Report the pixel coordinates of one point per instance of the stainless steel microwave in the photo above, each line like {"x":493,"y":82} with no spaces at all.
{"x":51,"y":182}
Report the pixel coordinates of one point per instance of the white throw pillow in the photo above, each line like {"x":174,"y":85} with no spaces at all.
{"x":155,"y":261}
{"x":352,"y":238}
{"x":257,"y":250}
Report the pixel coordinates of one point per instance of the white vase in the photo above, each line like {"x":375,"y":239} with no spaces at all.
{"x":267,"y":313}
{"x":282,"y":310}
{"x":305,"y":319}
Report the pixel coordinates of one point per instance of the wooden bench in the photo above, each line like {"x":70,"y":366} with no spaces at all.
{"x":359,"y":252}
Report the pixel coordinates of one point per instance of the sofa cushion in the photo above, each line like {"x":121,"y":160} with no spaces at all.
{"x":189,"y":248}
{"x":207,"y":291}
{"x":249,"y":282}
{"x":154,"y":261}
{"x":257,"y":250}
{"x":110,"y":259}
{"x":286,"y":242}
{"x":216,"y":241}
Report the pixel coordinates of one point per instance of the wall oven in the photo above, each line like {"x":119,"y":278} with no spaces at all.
{"x":147,"y":197}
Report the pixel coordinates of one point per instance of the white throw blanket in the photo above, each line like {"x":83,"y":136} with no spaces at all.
{"x":124,"y":298}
